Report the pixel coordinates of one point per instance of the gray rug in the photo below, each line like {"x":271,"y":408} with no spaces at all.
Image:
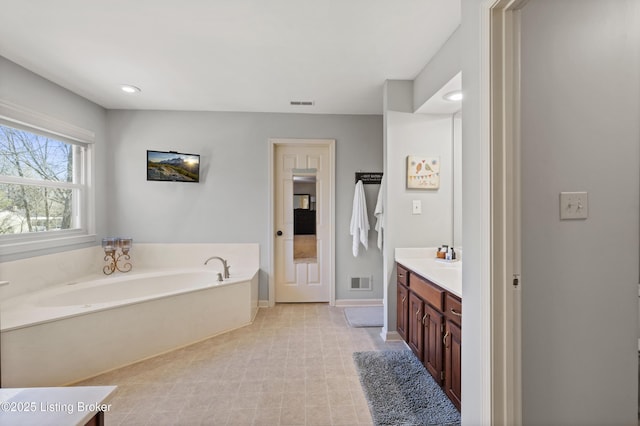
{"x":400,"y":391}
{"x":364,"y":316}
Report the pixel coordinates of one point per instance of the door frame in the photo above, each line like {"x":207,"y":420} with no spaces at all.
{"x":271,"y":240}
{"x":504,"y":140}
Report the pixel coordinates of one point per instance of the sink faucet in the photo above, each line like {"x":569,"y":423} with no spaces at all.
{"x":224,"y":264}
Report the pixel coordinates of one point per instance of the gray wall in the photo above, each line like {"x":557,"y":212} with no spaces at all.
{"x":441,"y":68}
{"x":29,"y":90}
{"x":580,"y":132}
{"x":231,"y":202}
{"x":570,"y":376}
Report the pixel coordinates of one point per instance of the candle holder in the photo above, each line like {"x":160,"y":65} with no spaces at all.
{"x":116,"y":254}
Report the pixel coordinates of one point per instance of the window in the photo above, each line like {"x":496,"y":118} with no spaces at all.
{"x":44,"y":191}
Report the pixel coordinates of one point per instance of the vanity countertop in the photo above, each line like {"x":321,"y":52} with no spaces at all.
{"x":422,"y":261}
{"x":72,"y":405}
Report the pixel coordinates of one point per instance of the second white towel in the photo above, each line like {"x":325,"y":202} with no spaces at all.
{"x":379,"y":214}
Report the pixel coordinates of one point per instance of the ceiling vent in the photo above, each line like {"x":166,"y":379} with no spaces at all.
{"x":301,"y":103}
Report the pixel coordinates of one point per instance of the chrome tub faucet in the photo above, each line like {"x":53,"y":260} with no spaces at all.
{"x":225,"y":265}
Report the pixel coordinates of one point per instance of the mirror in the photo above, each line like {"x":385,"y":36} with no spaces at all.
{"x":304,"y":219}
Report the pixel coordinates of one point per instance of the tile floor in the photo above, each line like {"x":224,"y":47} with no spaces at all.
{"x":292,"y":366}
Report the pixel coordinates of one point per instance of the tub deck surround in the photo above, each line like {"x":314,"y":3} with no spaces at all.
{"x":423,"y":261}
{"x":97,"y":292}
{"x":33,"y":274}
{"x":55,"y":406}
{"x":76,"y":329}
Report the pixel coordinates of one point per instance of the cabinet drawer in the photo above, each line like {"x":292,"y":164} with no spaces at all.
{"x":403,"y":275}
{"x":453,"y":308}
{"x":429,"y":292}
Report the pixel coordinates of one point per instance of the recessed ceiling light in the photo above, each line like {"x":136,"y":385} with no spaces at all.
{"x":456,"y":95}
{"x":127,"y":88}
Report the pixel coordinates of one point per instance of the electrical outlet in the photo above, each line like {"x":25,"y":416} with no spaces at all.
{"x":574,"y":205}
{"x":417,"y":207}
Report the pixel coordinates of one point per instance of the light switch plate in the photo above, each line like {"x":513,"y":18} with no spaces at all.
{"x":417,"y":207}
{"x":574,"y":205}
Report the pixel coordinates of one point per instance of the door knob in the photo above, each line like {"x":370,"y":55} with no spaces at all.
{"x":279,"y":233}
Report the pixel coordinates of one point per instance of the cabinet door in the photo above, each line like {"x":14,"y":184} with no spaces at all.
{"x":402,"y":311}
{"x":416,"y":306}
{"x":453,"y":357}
{"x":433,"y":331}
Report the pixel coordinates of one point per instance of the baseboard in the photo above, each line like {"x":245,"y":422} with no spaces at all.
{"x":358,"y":302}
{"x":342,"y":303}
{"x":390,"y":336}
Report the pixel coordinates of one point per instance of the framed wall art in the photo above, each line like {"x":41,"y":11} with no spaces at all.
{"x":423,"y":172}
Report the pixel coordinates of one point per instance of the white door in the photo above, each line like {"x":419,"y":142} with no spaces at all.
{"x":302,"y":277}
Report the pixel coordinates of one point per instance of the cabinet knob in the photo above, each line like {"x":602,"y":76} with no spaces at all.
{"x":454,"y":312}
{"x":424,"y":317}
{"x":417,"y":313}
{"x":404,"y":299}
{"x":444,"y":339}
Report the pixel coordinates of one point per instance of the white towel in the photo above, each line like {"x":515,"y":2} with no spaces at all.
{"x":359,"y":220}
{"x":379,"y":214}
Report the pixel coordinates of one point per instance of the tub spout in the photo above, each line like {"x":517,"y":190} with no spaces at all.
{"x":225,"y":265}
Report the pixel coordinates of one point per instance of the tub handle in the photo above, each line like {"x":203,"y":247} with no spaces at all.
{"x":219,"y":277}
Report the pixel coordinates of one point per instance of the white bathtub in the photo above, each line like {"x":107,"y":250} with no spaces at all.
{"x":129,"y":288}
{"x":68,"y":332}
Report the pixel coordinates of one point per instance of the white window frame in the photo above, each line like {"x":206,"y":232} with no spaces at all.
{"x":16,"y":116}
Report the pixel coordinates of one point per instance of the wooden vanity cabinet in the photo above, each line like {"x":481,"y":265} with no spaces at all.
{"x":429,"y":320}
{"x":402,"y":303}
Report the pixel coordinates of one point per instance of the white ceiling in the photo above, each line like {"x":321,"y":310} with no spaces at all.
{"x":227,"y":55}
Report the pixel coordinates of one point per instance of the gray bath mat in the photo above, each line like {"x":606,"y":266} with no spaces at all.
{"x":364,"y":316}
{"x":400,"y":391}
